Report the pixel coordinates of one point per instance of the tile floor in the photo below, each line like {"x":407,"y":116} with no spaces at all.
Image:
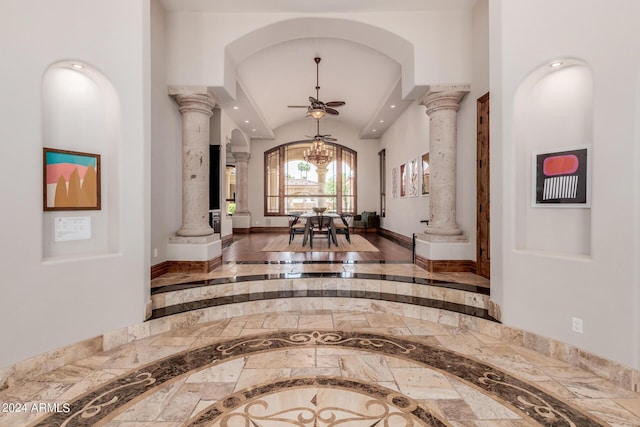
{"x":319,"y":368}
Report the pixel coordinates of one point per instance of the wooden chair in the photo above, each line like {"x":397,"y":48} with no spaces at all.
{"x":321,"y":225}
{"x":295,"y":226}
{"x":342,"y":226}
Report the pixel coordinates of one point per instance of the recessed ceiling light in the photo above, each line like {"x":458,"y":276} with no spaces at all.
{"x":392,"y":106}
{"x":246,"y":121}
{"x":235,"y":107}
{"x":253,"y":130}
{"x":77,"y":66}
{"x":373,"y":130}
{"x":555,"y":64}
{"x":381,"y":121}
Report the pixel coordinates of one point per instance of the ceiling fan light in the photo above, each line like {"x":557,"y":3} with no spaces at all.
{"x":317,"y":113}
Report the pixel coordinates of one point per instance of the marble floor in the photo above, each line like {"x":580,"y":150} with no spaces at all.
{"x":319,"y":368}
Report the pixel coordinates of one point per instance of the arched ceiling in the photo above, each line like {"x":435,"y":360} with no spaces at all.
{"x":273,"y":69}
{"x":285,"y":74}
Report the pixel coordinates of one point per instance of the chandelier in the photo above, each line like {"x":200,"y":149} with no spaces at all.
{"x":318,"y":153}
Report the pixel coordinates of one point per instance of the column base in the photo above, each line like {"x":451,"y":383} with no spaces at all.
{"x":241,"y":220}
{"x":195,"y":231}
{"x":200,"y":248}
{"x":444,"y":253}
{"x":436,"y":230}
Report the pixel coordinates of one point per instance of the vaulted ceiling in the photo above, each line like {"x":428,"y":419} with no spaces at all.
{"x":284,"y":74}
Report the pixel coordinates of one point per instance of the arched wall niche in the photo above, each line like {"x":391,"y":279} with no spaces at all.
{"x":81,"y":112}
{"x":553,"y":111}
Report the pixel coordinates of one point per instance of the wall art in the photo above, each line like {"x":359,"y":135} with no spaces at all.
{"x":425,"y":174}
{"x":414,"y":177}
{"x":403,"y":180}
{"x":71,"y":180}
{"x":562,"y":178}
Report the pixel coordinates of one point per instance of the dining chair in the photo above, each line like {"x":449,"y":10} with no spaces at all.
{"x":296,"y":226}
{"x":321,"y":225}
{"x":342,"y":226}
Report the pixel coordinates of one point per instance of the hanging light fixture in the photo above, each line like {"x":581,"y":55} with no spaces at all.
{"x":318,"y":153}
{"x":318,"y":109}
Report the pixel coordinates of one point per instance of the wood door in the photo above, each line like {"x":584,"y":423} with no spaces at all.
{"x":483,"y":259}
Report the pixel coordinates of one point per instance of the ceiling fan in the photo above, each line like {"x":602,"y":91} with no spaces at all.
{"x":318,"y":109}
{"x":318,"y":138}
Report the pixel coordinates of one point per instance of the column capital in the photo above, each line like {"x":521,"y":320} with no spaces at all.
{"x":444,"y":97}
{"x":193,"y":99}
{"x":241,"y":155}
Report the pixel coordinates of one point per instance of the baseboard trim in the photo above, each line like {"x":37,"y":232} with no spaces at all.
{"x":402,"y":240}
{"x":227,"y":240}
{"x":185,"y":267}
{"x":446,"y":266}
{"x":159,"y":269}
{"x":241,"y":230}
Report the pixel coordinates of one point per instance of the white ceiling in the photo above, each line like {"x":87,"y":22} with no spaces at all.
{"x":285,"y":74}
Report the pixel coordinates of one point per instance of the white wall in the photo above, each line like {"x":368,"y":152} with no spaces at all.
{"x":65,"y":299}
{"x":541,"y":292}
{"x":441,"y":41}
{"x":368,"y":181}
{"x":166,"y":145}
{"x":406,"y":139}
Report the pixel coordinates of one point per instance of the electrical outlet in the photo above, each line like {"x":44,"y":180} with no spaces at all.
{"x":155,"y":252}
{"x":576,"y":324}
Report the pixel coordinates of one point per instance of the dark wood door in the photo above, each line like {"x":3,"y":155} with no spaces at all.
{"x":483,"y":259}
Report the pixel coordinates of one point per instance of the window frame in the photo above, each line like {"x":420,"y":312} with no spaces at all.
{"x":339,"y":151}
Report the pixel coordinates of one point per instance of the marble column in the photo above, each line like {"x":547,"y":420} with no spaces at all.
{"x":242,"y":183}
{"x":196,"y":109}
{"x":442,"y":105}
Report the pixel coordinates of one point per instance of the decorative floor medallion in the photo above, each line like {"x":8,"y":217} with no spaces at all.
{"x":112,"y":398}
{"x":316,"y":402}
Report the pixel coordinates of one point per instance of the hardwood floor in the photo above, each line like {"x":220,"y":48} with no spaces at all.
{"x":249,"y":248}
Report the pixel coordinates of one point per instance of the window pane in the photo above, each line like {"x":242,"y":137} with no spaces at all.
{"x":301,"y":184}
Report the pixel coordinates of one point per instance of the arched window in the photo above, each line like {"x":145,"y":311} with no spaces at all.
{"x":292,"y":184}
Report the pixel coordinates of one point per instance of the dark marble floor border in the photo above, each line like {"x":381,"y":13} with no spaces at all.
{"x":383,"y":396}
{"x":321,"y":293}
{"x":116,"y":395}
{"x":314,"y":275}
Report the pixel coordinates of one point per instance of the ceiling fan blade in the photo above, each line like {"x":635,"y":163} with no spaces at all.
{"x":332,"y":111}
{"x":297,"y":106}
{"x":301,"y":140}
{"x":329,"y":139}
{"x":335,"y":104}
{"x":312,"y":99}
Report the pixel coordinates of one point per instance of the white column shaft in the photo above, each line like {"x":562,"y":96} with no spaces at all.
{"x":196,"y":111}
{"x":442,"y":110}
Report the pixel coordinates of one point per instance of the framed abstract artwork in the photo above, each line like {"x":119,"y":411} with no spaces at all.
{"x":414,"y":177}
{"x":394,"y":183}
{"x":562,"y":178}
{"x":71,"y":180}
{"x":403,"y":180}
{"x":425,"y":174}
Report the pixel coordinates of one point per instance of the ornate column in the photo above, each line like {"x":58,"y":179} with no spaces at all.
{"x":196,"y":109}
{"x":242,"y":183}
{"x":442,"y":105}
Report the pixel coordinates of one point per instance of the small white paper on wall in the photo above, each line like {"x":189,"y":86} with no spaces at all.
{"x":72,"y":228}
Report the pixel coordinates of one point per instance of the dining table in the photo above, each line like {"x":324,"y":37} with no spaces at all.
{"x":307,"y":228}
